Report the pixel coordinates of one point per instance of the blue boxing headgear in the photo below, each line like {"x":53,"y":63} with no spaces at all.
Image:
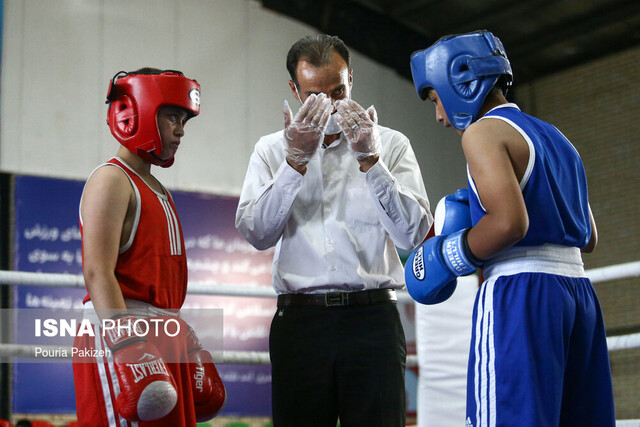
{"x":462,"y":69}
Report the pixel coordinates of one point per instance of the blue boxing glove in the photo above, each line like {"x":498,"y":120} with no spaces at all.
{"x":431,"y":270}
{"x":452,"y":213}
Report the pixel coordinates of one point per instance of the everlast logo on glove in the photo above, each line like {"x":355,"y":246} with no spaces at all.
{"x":145,"y":369}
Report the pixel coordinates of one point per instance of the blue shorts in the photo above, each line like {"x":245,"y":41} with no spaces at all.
{"x":538,"y":353}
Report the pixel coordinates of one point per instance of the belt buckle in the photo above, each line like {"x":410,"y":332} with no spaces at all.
{"x":336,"y":299}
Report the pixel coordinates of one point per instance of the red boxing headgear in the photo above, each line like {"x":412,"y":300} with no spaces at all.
{"x":134,"y":100}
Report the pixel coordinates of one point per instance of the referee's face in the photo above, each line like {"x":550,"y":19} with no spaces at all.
{"x":334,"y":79}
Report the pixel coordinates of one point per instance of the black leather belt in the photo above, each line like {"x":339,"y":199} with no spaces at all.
{"x":338,"y":299}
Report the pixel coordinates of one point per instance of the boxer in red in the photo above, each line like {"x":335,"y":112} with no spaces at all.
{"x":135,"y":270}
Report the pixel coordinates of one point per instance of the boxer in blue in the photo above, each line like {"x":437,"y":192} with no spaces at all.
{"x":538,"y":353}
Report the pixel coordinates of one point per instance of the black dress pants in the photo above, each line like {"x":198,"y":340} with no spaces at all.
{"x":338,"y":362}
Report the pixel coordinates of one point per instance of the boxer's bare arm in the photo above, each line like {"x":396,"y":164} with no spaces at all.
{"x":105,"y":205}
{"x":497,"y":156}
{"x":593,"y":240}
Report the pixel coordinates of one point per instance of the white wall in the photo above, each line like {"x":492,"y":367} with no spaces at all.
{"x":58,"y":57}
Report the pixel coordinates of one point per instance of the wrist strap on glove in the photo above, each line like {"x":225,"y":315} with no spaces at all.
{"x":457,"y":255}
{"x":122,"y":330}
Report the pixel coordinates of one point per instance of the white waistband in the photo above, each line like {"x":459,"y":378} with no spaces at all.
{"x":550,"y":259}
{"x":135,"y":307}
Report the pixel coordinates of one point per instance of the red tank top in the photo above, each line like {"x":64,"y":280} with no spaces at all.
{"x":152,"y":265}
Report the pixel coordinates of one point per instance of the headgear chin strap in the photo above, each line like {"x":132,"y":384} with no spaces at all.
{"x":462,"y":69}
{"x":134,"y":100}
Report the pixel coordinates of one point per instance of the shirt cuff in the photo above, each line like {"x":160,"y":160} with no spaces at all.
{"x":383,"y":187}
{"x":287,"y":176}
{"x":380,"y":180}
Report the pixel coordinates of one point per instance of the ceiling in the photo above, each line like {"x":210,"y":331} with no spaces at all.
{"x":541,"y":37}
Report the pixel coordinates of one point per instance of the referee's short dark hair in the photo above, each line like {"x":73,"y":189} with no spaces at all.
{"x":317,"y":50}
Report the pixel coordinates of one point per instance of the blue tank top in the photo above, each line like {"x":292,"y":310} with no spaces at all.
{"x":554,"y":185}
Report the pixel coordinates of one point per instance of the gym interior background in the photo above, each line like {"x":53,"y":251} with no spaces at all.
{"x":576,"y":65}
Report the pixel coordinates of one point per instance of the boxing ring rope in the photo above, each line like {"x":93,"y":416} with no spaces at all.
{"x":19,"y":278}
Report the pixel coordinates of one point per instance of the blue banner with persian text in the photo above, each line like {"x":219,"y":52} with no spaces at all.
{"x":47,"y":239}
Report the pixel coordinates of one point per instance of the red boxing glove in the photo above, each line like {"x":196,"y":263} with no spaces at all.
{"x":209,"y":394}
{"x":147,"y":388}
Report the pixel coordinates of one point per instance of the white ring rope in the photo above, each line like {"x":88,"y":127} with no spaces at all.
{"x":21,"y":278}
{"x":614,"y":272}
{"x":623,"y":342}
{"x":602,"y":274}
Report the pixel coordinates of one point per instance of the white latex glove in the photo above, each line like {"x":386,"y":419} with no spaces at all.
{"x":360,"y":127}
{"x":304,"y":133}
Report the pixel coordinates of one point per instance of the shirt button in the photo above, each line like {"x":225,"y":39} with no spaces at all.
{"x":328,"y":210}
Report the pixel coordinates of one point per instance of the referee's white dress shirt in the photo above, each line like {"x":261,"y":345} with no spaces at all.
{"x":335,"y":228}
